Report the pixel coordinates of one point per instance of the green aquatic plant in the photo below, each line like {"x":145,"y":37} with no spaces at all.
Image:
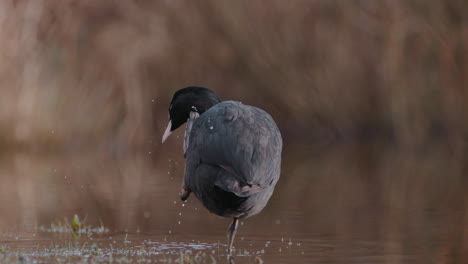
{"x":76,"y":224}
{"x":75,"y":227}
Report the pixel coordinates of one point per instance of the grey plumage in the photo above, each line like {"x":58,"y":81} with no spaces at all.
{"x":192,"y":117}
{"x":233,"y":159}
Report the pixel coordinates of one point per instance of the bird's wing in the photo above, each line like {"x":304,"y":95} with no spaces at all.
{"x":242,"y":140}
{"x":228,"y":180}
{"x":188,"y":129}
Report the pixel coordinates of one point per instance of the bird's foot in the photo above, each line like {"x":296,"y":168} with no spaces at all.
{"x":184,"y":195}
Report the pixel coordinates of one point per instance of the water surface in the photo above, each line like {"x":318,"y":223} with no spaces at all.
{"x":344,"y":205}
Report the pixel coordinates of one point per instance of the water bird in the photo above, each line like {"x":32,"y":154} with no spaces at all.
{"x":232,"y":153}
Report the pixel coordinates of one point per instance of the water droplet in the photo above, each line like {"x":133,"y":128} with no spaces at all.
{"x":183,"y":204}
{"x":178,"y":222}
{"x":211,"y":127}
{"x":180,"y":213}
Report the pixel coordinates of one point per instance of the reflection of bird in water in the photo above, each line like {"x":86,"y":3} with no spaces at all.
{"x":232,"y":153}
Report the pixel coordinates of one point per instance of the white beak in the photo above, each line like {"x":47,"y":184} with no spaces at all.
{"x":167,"y":132}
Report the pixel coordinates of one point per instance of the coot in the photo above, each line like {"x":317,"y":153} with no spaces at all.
{"x":232,"y":153}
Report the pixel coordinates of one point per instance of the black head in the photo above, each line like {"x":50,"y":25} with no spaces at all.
{"x":186,"y":100}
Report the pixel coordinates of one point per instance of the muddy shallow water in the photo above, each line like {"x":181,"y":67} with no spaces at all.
{"x":150,"y":248}
{"x":346,"y":205}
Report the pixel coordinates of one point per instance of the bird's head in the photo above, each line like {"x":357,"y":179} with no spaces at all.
{"x":186,"y":100}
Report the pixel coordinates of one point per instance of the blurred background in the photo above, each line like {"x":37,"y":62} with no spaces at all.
{"x":370,"y":96}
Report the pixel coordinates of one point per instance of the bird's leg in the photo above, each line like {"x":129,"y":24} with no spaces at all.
{"x":232,"y":233}
{"x":185,"y":194}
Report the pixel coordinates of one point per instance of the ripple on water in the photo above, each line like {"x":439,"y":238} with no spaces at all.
{"x":145,"y":248}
